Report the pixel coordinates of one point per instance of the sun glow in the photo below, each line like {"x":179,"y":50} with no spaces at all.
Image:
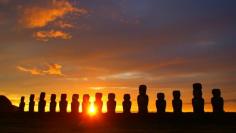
{"x":92,"y":110}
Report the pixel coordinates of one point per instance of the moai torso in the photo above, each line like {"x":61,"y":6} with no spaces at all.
{"x":126,"y":104}
{"x":75,"y":103}
{"x":22,"y":104}
{"x":42,"y":103}
{"x":142,"y":100}
{"x":63,"y":103}
{"x":53,"y":103}
{"x":217,"y":101}
{"x":177,"y":102}
{"x":198,"y":105}
{"x":98,"y":102}
{"x":161,"y":103}
{"x":197,"y":101}
{"x":85,"y":103}
{"x":111,"y":104}
{"x":31,"y":103}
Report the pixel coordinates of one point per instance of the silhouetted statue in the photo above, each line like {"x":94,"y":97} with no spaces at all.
{"x":63,"y":103}
{"x":42,"y":103}
{"x":111,"y":103}
{"x":217,"y":101}
{"x":85,"y":103}
{"x":197,"y":101}
{"x":177,"y":102}
{"x":161,"y":103}
{"x":142,"y":100}
{"x":98,"y":102}
{"x":31,"y":103}
{"x":6,"y":105}
{"x":126,"y":104}
{"x":22,"y":104}
{"x":53,"y":103}
{"x":75,"y":103}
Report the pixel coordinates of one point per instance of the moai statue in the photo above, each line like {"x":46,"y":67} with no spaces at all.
{"x":63,"y":103}
{"x":217,"y":101}
{"x":161,"y":103}
{"x":85,"y":103}
{"x":197,"y":101}
{"x":53,"y":103}
{"x":98,"y":102}
{"x":22,"y":104}
{"x":42,"y":103}
{"x":177,"y":102}
{"x":75,"y":103}
{"x":31,"y":103}
{"x":111,"y":103}
{"x":126,"y":104}
{"x":142,"y":100}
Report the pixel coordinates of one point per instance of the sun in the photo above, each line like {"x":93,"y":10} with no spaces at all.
{"x":92,"y":110}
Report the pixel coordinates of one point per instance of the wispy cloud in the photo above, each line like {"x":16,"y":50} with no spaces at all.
{"x":63,"y":24}
{"x":33,"y":71}
{"x":51,"y":34}
{"x":125,"y":75}
{"x":50,"y":69}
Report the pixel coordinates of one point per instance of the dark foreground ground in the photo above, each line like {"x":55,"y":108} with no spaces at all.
{"x":118,"y":123}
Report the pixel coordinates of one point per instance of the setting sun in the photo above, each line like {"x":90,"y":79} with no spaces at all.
{"x":92,"y":110}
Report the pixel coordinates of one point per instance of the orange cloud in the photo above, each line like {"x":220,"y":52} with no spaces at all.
{"x":54,"y":69}
{"x":51,"y":69}
{"x":37,"y":17}
{"x":52,"y":34}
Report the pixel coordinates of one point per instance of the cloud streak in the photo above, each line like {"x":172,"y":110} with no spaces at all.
{"x":51,"y":69}
{"x":51,"y":34}
{"x":63,"y":25}
{"x":124,"y":76}
{"x":32,"y":71}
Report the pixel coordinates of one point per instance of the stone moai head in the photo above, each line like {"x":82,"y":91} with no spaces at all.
{"x":197,"y":86}
{"x":197,"y":90}
{"x":216,"y":92}
{"x":22,"y":99}
{"x":86,"y":98}
{"x":42,"y":96}
{"x":142,"y":89}
{"x":63,"y":97}
{"x":53,"y":97}
{"x":75,"y":97}
{"x":98,"y":96}
{"x":126,"y":97}
{"x":111,"y":97}
{"x":176,"y":94}
{"x":160,"y":96}
{"x":32,"y":97}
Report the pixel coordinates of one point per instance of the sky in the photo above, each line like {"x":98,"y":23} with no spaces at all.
{"x":89,"y":46}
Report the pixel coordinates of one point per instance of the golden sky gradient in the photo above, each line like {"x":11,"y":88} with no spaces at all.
{"x":89,"y":46}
